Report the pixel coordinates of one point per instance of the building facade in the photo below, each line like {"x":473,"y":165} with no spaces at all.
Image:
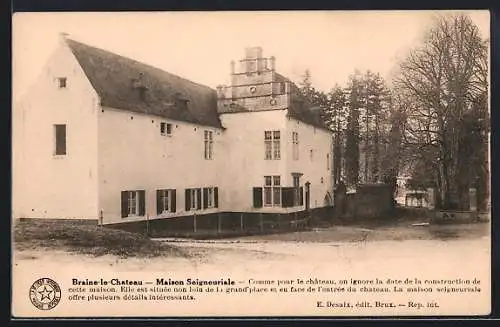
{"x":101,"y":136}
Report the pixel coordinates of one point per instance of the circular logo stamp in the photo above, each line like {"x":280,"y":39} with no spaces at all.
{"x":45,"y":294}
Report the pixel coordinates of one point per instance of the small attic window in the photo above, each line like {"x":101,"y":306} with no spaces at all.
{"x":165,"y":128}
{"x":61,"y":82}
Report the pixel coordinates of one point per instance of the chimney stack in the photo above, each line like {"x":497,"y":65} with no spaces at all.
{"x":273,"y":62}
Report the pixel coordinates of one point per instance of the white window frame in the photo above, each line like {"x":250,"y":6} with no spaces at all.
{"x":295,"y":145}
{"x":272,"y":191}
{"x":210,"y":197}
{"x":272,"y":145}
{"x":166,"y":194}
{"x":133,"y":203}
{"x":165,"y":128}
{"x":193,"y":205}
{"x":209,"y":144}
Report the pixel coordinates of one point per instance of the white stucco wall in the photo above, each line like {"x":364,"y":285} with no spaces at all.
{"x":316,"y":171}
{"x":246,"y":166}
{"x":133,"y":155}
{"x":45,"y":185}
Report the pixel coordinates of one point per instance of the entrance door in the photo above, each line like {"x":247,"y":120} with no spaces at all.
{"x":308,"y":195}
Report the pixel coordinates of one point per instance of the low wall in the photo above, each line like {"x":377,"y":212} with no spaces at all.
{"x":65,"y":221}
{"x":458,"y":217}
{"x":225,"y":224}
{"x":370,"y":201}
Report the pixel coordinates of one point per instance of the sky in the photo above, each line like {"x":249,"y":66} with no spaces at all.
{"x":200,"y":45}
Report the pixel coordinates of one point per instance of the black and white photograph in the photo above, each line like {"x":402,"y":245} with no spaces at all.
{"x":251,"y":164}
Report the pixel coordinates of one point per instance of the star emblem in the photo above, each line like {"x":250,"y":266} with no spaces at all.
{"x":45,"y":293}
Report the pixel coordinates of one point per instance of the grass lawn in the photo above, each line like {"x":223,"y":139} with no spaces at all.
{"x":87,"y":238}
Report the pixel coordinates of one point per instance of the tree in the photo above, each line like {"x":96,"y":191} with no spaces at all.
{"x":354,"y":92}
{"x":336,"y":118}
{"x":443,"y":81}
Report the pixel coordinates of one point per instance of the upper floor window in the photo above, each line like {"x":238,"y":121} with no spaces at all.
{"x":61,"y":82}
{"x":295,"y":145}
{"x":209,"y":142}
{"x":60,"y":139}
{"x":165,"y":128}
{"x":272,"y":145}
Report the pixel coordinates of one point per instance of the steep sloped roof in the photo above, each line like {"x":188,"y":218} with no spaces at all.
{"x":300,"y":108}
{"x":118,"y":82}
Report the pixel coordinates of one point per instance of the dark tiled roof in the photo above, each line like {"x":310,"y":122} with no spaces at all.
{"x":300,"y":107}
{"x":118,"y":81}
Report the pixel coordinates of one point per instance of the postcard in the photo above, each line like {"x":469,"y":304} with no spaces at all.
{"x":251,"y":164}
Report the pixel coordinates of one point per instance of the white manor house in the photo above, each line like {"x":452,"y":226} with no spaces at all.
{"x":100,"y":136}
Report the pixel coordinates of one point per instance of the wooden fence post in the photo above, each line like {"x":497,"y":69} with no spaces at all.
{"x":241,"y":222}
{"x":194,"y":223}
{"x":261,"y":222}
{"x":219,"y":223}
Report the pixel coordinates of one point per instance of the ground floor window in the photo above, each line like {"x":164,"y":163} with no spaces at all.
{"x":210,"y":197}
{"x":198,"y":198}
{"x":165,"y":201}
{"x":272,"y":191}
{"x":133,"y":203}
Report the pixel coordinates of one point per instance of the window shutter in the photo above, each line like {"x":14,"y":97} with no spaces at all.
{"x":173,"y":201}
{"x":205,"y":198}
{"x":287,"y":197}
{"x":198,"y":195}
{"x":142,"y":203}
{"x":188,"y":199}
{"x":159,"y":205}
{"x":124,"y":204}
{"x":301,"y":196}
{"x":216,"y":197}
{"x":257,"y":197}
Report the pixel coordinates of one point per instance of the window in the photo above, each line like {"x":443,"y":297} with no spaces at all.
{"x":61,"y":81}
{"x":272,"y":145}
{"x":133,"y":208}
{"x":210,"y":197}
{"x":327,"y":161}
{"x":165,"y":129}
{"x":272,"y":191}
{"x":60,"y":139}
{"x":193,"y":204}
{"x":133,"y":203}
{"x":295,"y":145}
{"x":296,"y":186}
{"x":197,"y":198}
{"x":209,"y":141}
{"x":165,"y":201}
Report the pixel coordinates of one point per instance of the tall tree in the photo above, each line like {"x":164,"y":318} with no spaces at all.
{"x":354,"y":96}
{"x":337,"y":119}
{"x":443,"y":79}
